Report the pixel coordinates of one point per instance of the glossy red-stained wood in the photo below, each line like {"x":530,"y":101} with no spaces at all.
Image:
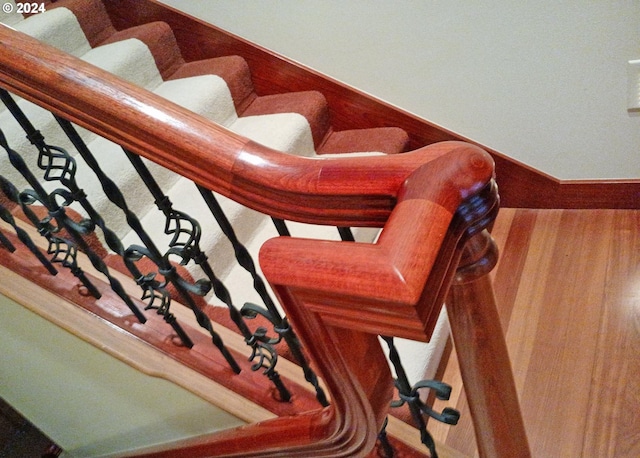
{"x":482,"y":353}
{"x":520,"y":185}
{"x":360,"y":386}
{"x":326,"y":286}
{"x":392,"y":287}
{"x":358,"y":191}
{"x":337,"y":295}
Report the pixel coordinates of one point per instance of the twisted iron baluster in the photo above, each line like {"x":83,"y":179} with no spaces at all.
{"x":76,"y":230}
{"x":261,"y":350}
{"x":185,"y":249}
{"x":57,"y":213}
{"x":5,"y":242}
{"x":245,"y":260}
{"x":153,"y":290}
{"x":58,"y":165}
{"x":12,"y":193}
{"x":410,"y":395}
{"x":57,"y":245}
{"x":385,"y":446}
{"x":185,"y":243}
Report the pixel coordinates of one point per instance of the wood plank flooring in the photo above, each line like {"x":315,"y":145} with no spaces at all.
{"x":568,"y":292}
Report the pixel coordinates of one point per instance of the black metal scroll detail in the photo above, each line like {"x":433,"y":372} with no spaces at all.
{"x":410,"y":395}
{"x":45,"y":227}
{"x":153,"y":291}
{"x":185,"y":244}
{"x":58,"y":165}
{"x":246,"y":261}
{"x":264,"y":346}
{"x":12,"y":194}
{"x":261,"y":350}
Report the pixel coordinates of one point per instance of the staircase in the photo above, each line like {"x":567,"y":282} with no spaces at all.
{"x":283,"y":107}
{"x":219,"y":89}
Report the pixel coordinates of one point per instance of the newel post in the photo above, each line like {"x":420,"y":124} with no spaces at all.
{"x":482,"y":352}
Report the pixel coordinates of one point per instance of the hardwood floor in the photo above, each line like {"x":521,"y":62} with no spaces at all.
{"x":568,"y":292}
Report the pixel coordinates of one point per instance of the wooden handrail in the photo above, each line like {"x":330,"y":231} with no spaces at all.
{"x":520,"y":185}
{"x":321,"y":284}
{"x":429,"y":202}
{"x":388,"y":288}
{"x":339,"y":191}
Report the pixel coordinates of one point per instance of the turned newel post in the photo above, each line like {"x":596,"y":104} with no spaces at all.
{"x":482,"y":353}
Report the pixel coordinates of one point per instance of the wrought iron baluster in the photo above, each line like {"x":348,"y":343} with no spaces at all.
{"x":346,"y":234}
{"x":5,"y":242}
{"x":262,"y":350}
{"x":384,"y":444}
{"x":281,"y":326}
{"x":281,"y":227}
{"x":411,"y":396}
{"x":12,"y":193}
{"x":57,"y":245}
{"x":186,"y":250}
{"x":153,"y":290}
{"x":58,"y":165}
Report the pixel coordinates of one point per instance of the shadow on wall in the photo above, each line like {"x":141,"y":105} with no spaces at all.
{"x":20,"y":439}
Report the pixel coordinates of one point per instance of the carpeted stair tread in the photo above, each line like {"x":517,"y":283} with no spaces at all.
{"x":160,"y":40}
{"x":128,"y":59}
{"x":389,"y":140}
{"x":161,"y":43}
{"x":92,"y":16}
{"x":207,"y":95}
{"x":310,"y":104}
{"x":58,"y":28}
{"x":233,"y":69}
{"x":286,"y":132}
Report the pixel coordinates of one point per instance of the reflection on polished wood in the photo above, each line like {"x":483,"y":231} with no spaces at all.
{"x":568,"y":294}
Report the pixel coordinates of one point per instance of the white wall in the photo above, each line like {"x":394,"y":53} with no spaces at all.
{"x":87,"y":401}
{"x":543,"y":82}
